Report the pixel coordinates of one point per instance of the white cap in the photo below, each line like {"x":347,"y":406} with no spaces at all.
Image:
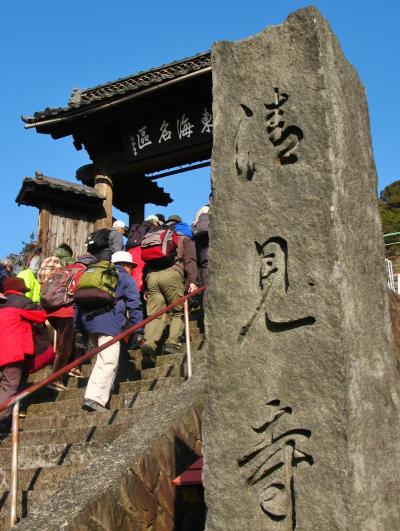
{"x":122,"y":257}
{"x":152,"y":217}
{"x":118,"y":224}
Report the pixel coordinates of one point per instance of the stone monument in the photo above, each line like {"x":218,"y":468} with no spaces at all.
{"x":302,"y":423}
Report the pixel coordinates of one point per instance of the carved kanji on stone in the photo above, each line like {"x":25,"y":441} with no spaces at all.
{"x":269,"y":465}
{"x":290,"y":135}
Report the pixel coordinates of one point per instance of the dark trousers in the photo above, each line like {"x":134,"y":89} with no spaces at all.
{"x":65,"y":341}
{"x":13,"y":379}
{"x":203,"y":274}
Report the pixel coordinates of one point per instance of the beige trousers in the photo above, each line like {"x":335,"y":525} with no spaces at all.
{"x":104,"y":371}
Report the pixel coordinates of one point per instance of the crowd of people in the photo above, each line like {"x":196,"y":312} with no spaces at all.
{"x":88,"y":300}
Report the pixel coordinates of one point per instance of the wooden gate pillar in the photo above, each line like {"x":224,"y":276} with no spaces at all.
{"x":137,"y":214}
{"x":43,"y":231}
{"x":104,"y":185}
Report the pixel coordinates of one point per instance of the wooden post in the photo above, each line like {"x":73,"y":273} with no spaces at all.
{"x":103,"y":184}
{"x":136,"y":215}
{"x":43,"y":231}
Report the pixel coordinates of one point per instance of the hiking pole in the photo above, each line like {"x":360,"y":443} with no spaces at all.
{"x":187,"y":336}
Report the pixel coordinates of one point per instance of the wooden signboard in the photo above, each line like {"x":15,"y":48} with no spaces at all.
{"x":169,"y":131}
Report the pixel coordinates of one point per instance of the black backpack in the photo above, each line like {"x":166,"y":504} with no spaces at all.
{"x":137,"y":232}
{"x":135,"y":235}
{"x":200,"y":230}
{"x":98,"y":240}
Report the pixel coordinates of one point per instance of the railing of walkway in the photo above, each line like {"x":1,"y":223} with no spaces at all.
{"x":15,"y":400}
{"x":392,"y":262}
{"x":390,"y":276}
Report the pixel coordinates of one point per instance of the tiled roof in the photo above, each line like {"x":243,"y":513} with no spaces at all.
{"x":123,"y":86}
{"x":31,"y":184}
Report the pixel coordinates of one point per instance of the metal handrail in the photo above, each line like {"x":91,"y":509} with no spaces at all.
{"x":16,"y":399}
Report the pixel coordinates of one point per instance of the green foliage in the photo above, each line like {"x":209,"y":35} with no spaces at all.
{"x":18,"y":258}
{"x":389,"y":208}
{"x":390,"y":196}
{"x":28,"y":246}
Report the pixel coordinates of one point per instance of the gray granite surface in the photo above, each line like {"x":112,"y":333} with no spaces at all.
{"x":301,"y":423}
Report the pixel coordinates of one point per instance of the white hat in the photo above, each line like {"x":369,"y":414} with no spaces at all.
{"x":118,"y":224}
{"x":122,"y":257}
{"x":152,"y":217}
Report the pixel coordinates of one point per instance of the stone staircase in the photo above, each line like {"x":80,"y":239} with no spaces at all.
{"x":58,"y":438}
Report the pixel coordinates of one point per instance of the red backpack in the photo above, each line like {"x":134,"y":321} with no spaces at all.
{"x":59,"y":289}
{"x":76,"y":271}
{"x":159,"y":246}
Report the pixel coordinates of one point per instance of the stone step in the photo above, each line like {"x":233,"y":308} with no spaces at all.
{"x":198,"y":344}
{"x":71,"y":435}
{"x":49,"y":455}
{"x":126,"y":367}
{"x":124,"y":387}
{"x":150,"y":384}
{"x":146,"y":374}
{"x":163,"y":371}
{"x":26,"y":500}
{"x":195,"y":343}
{"x":195,"y":333}
{"x":39,"y":375}
{"x":74,"y":406}
{"x":85,"y":419}
{"x":34,"y":485}
{"x":39,"y":478}
{"x":169,"y":359}
{"x":45,"y":397}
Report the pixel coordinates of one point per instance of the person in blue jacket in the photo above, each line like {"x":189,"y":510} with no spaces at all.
{"x":5,"y":271}
{"x":102,"y":327}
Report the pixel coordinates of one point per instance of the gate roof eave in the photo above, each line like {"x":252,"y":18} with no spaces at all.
{"x":87,"y":101}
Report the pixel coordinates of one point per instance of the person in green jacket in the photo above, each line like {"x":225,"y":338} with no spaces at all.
{"x":64,"y":253}
{"x":31,"y":283}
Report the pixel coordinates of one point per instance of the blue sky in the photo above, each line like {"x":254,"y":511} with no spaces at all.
{"x":48,"y":47}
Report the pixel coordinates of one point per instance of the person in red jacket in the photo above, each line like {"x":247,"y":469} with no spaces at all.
{"x":136,"y":234}
{"x":165,"y":283}
{"x":16,"y":340}
{"x":61,"y":320}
